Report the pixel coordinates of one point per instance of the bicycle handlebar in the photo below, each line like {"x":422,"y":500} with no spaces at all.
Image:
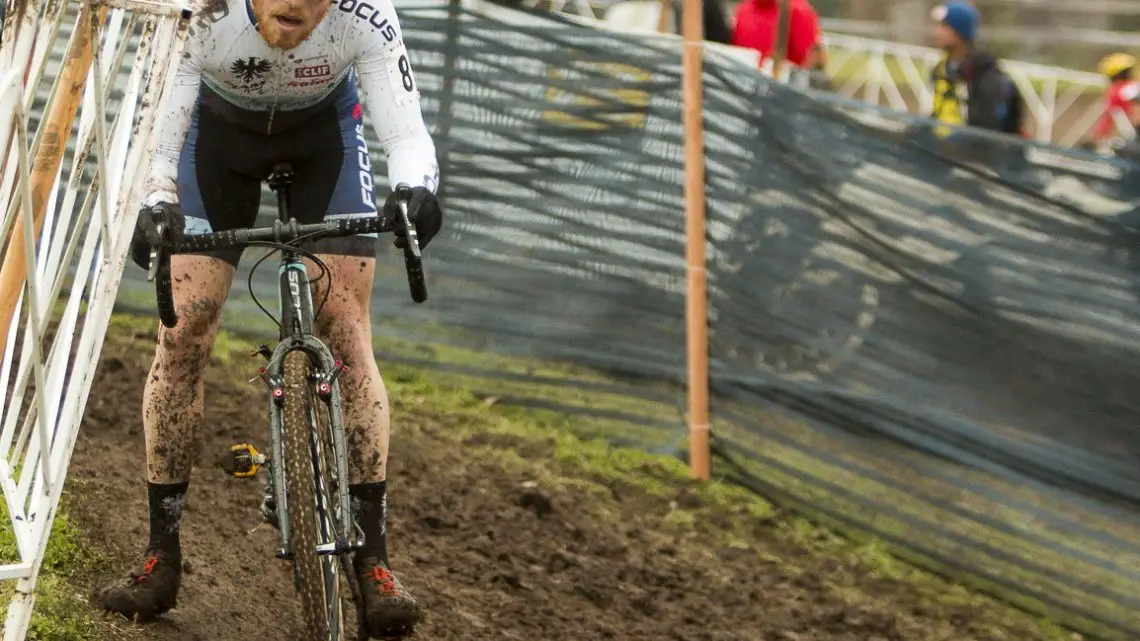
{"x":282,"y":233}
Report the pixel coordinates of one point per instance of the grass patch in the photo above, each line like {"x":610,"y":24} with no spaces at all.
{"x":62,"y":612}
{"x":722,"y":514}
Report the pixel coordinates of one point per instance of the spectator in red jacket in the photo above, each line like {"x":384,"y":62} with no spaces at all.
{"x":758,"y":20}
{"x":1121,"y":97}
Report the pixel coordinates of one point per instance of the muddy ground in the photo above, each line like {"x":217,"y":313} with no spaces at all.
{"x":491,"y":554}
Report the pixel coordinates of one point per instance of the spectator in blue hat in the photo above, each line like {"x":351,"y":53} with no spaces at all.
{"x":969,"y":86}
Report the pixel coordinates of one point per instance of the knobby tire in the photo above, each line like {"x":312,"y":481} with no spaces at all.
{"x":316,"y":577}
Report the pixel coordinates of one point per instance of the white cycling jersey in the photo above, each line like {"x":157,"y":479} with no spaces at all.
{"x":227,"y":55}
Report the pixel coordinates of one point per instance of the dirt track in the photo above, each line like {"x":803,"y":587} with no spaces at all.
{"x":490,"y":555}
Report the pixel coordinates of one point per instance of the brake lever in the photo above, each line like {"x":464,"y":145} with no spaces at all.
{"x":410,"y":232}
{"x":413,"y":259}
{"x":155,"y":250}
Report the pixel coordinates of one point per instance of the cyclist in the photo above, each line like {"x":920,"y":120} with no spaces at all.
{"x":263,"y":82}
{"x":1121,"y":112}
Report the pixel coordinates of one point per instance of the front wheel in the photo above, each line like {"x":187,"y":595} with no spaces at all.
{"x":309,"y":503}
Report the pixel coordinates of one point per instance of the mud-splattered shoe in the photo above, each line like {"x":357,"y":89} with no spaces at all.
{"x":147,"y":594}
{"x":390,"y":611}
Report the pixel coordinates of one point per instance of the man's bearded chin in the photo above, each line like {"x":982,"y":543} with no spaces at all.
{"x":284,"y":24}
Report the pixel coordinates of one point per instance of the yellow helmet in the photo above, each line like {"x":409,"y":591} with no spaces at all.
{"x":1116,"y":64}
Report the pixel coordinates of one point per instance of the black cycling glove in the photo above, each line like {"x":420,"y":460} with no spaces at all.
{"x":146,"y":230}
{"x":423,"y":212}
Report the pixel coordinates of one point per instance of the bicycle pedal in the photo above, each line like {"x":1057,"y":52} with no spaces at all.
{"x":242,"y":461}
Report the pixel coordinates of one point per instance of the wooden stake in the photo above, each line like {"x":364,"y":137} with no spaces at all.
{"x":48,"y":159}
{"x":696,"y":308}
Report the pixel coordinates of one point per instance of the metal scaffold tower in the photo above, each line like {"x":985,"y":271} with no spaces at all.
{"x":80,"y":87}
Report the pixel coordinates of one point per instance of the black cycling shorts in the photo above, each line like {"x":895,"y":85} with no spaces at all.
{"x":226,"y":159}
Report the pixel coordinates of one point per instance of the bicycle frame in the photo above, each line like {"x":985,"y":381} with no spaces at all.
{"x":297,"y":326}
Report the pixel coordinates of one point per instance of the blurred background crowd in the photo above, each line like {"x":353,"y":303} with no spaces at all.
{"x":969,"y":83}
{"x":968,"y":80}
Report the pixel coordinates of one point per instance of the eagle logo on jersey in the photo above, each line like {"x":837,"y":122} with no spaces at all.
{"x":251,"y":71}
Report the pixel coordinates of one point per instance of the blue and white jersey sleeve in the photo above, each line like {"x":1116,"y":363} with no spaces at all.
{"x":162,"y":180}
{"x":392,"y":98}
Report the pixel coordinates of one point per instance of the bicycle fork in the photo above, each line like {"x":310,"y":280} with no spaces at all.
{"x":245,"y":461}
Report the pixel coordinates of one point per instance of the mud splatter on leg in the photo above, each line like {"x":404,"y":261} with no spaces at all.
{"x":344,"y":325}
{"x":173,"y":399}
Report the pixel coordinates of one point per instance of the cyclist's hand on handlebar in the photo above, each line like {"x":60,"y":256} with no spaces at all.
{"x":423,"y":211}
{"x":146,"y":235}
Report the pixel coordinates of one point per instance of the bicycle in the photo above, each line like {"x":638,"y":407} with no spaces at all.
{"x":318,"y":533}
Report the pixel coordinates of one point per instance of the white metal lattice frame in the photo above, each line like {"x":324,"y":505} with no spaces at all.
{"x":882,"y":70}
{"x":75,"y":261}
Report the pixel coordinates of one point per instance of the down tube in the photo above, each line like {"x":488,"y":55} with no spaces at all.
{"x":296,"y":302}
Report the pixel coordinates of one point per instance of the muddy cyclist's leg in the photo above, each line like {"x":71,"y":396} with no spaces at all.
{"x":344,"y":325}
{"x":172,"y":415}
{"x":173,"y":398}
{"x":390,"y":611}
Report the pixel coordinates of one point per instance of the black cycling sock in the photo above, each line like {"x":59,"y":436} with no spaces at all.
{"x":370,"y":507}
{"x":166,"y":502}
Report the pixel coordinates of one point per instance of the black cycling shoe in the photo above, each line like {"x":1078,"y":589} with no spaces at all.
{"x":147,"y":594}
{"x":390,"y":611}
